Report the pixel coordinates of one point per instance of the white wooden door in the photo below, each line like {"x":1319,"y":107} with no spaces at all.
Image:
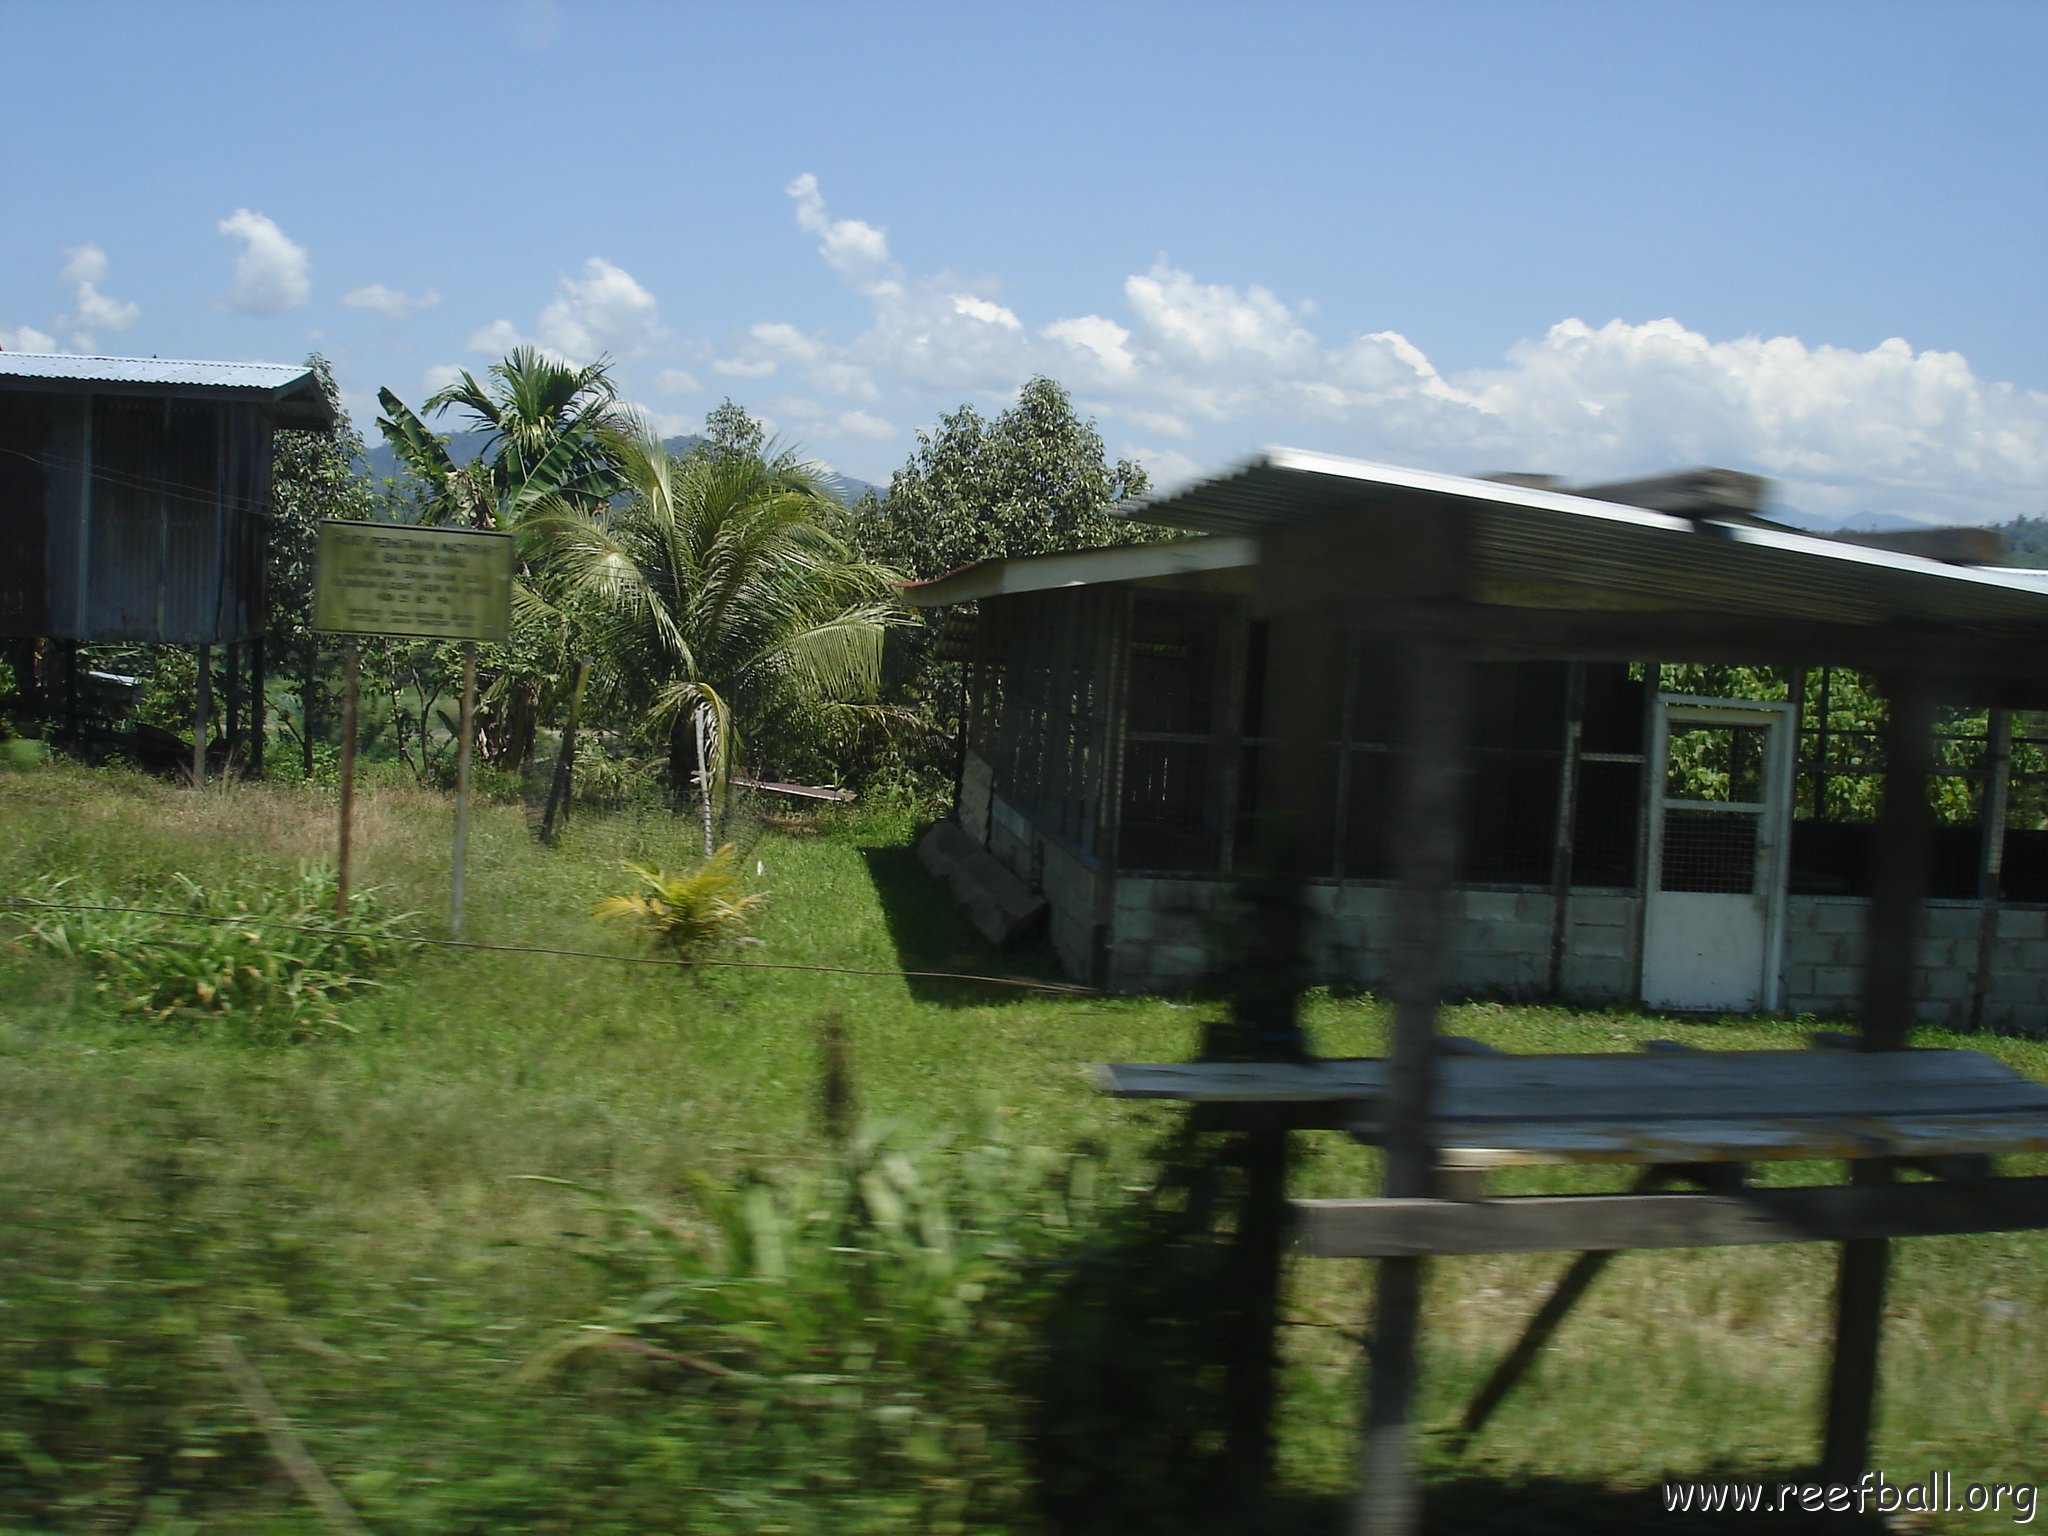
{"x":1720,"y":814}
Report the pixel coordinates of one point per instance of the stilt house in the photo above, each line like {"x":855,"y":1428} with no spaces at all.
{"x":135,"y":493}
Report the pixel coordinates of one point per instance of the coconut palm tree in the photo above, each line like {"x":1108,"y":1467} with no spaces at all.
{"x":722,"y":605}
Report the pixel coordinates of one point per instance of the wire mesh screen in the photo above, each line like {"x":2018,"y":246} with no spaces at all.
{"x":1709,"y":851}
{"x":1839,"y":795}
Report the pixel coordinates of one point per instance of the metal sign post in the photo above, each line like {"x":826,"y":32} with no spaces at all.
{"x":430,"y":583}
{"x":348,"y":774}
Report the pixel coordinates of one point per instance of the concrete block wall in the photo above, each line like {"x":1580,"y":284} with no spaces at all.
{"x":1067,"y":882}
{"x":1164,"y":932}
{"x":1824,"y":962}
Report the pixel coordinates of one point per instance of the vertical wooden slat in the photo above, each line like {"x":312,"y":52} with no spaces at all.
{"x":1996,"y":800}
{"x":1113,"y":621}
{"x":1566,"y":822}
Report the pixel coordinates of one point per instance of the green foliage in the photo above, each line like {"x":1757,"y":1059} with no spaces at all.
{"x":729,"y":432}
{"x":717,"y":591}
{"x":686,"y":913}
{"x":230,"y":957}
{"x":850,"y":1332}
{"x":1036,"y":478}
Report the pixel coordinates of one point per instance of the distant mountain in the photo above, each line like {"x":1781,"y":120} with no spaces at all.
{"x":1855,"y":522}
{"x":466,"y":447}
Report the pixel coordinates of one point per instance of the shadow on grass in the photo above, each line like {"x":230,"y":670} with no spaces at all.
{"x":930,"y":932}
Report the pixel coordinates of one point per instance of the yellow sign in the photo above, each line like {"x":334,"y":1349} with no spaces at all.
{"x":438,"y":583}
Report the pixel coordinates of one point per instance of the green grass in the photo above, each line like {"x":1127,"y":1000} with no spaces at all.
{"x":353,"y":1209}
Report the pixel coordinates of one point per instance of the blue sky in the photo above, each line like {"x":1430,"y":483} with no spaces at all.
{"x":1804,"y":239}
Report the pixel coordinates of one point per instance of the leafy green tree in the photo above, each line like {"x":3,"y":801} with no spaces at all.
{"x":313,"y":475}
{"x":1036,"y":478}
{"x":724,"y":609}
{"x":730,"y":431}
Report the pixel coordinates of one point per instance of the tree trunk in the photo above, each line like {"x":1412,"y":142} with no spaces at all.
{"x":703,"y":780}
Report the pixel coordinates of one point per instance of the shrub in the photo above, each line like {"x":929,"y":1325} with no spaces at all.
{"x":275,"y":960}
{"x":686,"y":913}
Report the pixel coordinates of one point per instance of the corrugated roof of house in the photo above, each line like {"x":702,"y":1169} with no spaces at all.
{"x":291,"y":388}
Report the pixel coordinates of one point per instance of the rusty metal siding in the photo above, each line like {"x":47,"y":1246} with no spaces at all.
{"x":24,"y":517}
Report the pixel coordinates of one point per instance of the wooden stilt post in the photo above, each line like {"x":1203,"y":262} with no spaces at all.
{"x":348,"y":775}
{"x":1438,"y":685}
{"x":233,"y":731}
{"x":202,"y":716}
{"x":259,"y":710}
{"x":1891,"y":950}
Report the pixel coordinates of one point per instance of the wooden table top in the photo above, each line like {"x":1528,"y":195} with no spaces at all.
{"x":1695,"y":1106}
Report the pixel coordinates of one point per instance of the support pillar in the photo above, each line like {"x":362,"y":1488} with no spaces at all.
{"x":1891,"y":950}
{"x":1438,"y":681}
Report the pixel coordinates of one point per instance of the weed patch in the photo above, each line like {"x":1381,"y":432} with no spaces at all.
{"x":274,"y":960}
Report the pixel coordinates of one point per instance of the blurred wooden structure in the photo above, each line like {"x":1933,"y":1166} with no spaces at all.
{"x":1446,"y":574}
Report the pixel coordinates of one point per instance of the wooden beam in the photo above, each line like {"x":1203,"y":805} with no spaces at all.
{"x":1994,"y":659}
{"x":1406,"y":1229}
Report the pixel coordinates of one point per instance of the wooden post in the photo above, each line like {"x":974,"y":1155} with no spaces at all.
{"x":1438,"y":682}
{"x":202,"y":716}
{"x":348,"y":775}
{"x":465,"y":728}
{"x":1891,"y":948}
{"x":259,"y":707}
{"x":1991,"y":854}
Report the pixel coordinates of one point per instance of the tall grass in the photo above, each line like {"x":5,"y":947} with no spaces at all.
{"x":358,"y":1211}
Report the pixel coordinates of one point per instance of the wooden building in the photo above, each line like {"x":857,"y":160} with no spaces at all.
{"x":134,"y":497}
{"x":1671,"y":793}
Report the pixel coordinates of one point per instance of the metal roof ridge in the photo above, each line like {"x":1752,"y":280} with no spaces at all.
{"x":1335,"y":466}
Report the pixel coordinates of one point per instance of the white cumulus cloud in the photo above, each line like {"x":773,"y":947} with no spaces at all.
{"x":26,"y":338}
{"x":85,"y":268}
{"x":1210,"y":323}
{"x":272,"y":273}
{"x":389,"y":301}
{"x":858,"y":252}
{"x":605,"y":310}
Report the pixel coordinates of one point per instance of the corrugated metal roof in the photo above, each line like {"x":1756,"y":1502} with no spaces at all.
{"x":1533,"y":539}
{"x":1080,"y":568}
{"x":290,"y":389}
{"x":151,"y":370}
